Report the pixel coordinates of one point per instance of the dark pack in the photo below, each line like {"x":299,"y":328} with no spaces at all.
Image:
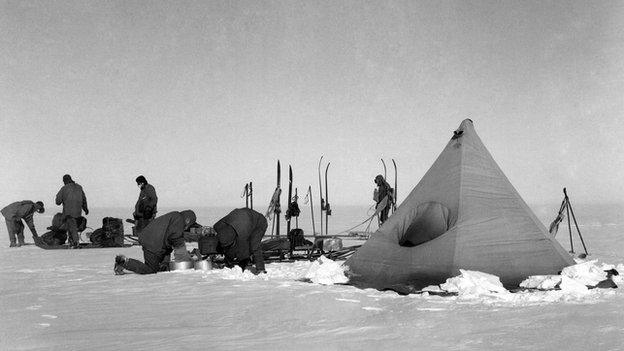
{"x":296,"y":238}
{"x":58,"y":223}
{"x":110,"y":235}
{"x":54,"y":238}
{"x":207,"y":244}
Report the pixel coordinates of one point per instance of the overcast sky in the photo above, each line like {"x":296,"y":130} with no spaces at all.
{"x":204,"y":96}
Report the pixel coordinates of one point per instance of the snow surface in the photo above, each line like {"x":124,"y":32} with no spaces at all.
{"x":71,"y":300}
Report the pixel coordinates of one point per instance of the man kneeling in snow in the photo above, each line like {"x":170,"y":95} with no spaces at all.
{"x":240,"y":234}
{"x":159,"y":238}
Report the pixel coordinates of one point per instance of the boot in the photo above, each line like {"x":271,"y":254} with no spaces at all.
{"x":120,"y":261}
{"x":71,"y":243}
{"x":20,"y":240}
{"x":13,"y":244}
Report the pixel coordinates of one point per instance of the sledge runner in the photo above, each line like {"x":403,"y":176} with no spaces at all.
{"x":13,"y":216}
{"x":163,"y":235}
{"x":240,"y":234}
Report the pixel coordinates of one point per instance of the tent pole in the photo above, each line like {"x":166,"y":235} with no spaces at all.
{"x":569,"y":226}
{"x":250,"y":195}
{"x":576,"y":225}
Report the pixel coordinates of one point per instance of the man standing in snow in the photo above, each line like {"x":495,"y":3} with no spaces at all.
{"x":240,"y":234}
{"x":74,"y":201}
{"x":383,"y":198}
{"x":158,"y":239}
{"x":145,"y":208}
{"x":13,"y":216}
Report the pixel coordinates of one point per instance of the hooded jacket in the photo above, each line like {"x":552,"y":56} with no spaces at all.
{"x":21,"y":210}
{"x":240,"y":235}
{"x":166,"y":232}
{"x":146,"y":204}
{"x":73,"y":199}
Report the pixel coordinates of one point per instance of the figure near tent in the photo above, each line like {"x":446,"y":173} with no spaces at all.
{"x":383,"y":198}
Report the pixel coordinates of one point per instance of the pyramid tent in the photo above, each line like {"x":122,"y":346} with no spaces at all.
{"x":464,"y":213}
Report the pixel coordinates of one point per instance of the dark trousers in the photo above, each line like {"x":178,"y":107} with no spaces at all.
{"x":142,"y":220}
{"x":383,"y":215}
{"x":15,"y":228}
{"x":153,"y":263}
{"x":141,"y":223}
{"x":72,"y":230}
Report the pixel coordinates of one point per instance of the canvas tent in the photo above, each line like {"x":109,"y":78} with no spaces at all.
{"x":464,"y":213}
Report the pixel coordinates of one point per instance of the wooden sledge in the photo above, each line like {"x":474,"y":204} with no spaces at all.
{"x":80,"y":246}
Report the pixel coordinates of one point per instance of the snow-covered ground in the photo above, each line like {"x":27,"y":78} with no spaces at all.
{"x":71,"y":300}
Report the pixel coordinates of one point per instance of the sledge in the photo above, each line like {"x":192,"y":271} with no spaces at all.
{"x":133,"y":239}
{"x":45,"y":246}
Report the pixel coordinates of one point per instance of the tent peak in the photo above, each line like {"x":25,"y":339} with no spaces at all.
{"x":463,"y":126}
{"x":465,"y":123}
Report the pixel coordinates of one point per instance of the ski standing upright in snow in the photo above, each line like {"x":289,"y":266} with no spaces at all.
{"x":322,"y":203}
{"x":327,"y":207}
{"x":288,"y":209}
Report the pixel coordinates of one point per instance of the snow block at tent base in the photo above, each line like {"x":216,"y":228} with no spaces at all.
{"x":474,"y":284}
{"x":325,"y":271}
{"x":579,"y":277}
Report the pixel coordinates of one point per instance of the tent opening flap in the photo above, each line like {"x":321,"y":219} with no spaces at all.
{"x":431,"y":221}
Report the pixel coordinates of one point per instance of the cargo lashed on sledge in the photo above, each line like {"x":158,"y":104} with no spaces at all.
{"x":464,"y":213}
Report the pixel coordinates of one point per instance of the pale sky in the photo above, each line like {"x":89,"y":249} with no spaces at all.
{"x":204,"y":96}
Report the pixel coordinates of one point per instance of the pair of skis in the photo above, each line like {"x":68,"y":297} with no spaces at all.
{"x":308,"y":198}
{"x":248,"y":194}
{"x":324,"y":202}
{"x":275,"y":205}
{"x":293,"y":207}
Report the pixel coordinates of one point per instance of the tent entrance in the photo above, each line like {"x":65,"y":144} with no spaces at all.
{"x":431,"y":221}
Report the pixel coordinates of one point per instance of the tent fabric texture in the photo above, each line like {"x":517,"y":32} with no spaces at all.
{"x":463,"y":214}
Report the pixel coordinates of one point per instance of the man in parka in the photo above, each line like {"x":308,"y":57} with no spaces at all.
{"x":240,"y":234}
{"x":383,"y":198}
{"x":74,"y":201}
{"x":162,"y":235}
{"x":145,"y":207}
{"x":13,"y":216}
